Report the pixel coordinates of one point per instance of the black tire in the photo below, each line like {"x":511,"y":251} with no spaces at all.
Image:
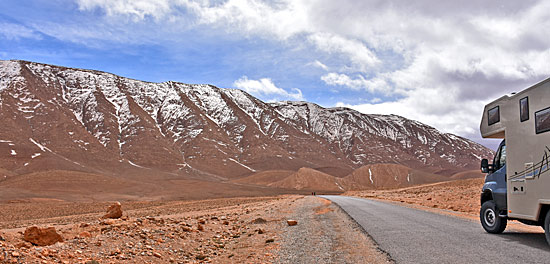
{"x":547,"y":227}
{"x":490,"y":220}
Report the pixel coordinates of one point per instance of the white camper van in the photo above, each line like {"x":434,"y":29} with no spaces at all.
{"x":517,"y":185}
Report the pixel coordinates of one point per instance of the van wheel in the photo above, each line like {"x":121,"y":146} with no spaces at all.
{"x":547,"y":227}
{"x":490,"y":220}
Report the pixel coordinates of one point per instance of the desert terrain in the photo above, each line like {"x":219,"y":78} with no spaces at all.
{"x":232,"y":230}
{"x":226,"y":230}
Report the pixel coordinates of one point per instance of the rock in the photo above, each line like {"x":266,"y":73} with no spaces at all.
{"x":226,"y":222}
{"x":202,"y":221}
{"x":292,"y":222}
{"x":200,"y":227}
{"x":271,"y":240}
{"x":42,"y":236}
{"x":258,"y":220}
{"x":108,"y":221}
{"x":15,"y":254}
{"x":23,"y":245}
{"x":201,"y":257}
{"x":85,"y":234}
{"x":260,"y":231}
{"x":114,"y":211}
{"x":156,"y":254}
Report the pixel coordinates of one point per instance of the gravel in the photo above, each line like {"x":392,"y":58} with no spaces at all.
{"x":325,"y":234}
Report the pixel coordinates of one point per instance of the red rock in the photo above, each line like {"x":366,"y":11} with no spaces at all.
{"x":292,"y":222}
{"x":42,"y":236}
{"x":85,"y":234}
{"x":114,"y":211}
{"x":23,"y":245}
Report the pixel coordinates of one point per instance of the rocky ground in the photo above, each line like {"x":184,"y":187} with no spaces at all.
{"x":236,"y":230}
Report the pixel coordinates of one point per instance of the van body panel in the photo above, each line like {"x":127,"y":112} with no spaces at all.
{"x":527,"y":147}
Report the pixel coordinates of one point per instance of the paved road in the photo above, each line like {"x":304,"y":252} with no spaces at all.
{"x":416,"y":236}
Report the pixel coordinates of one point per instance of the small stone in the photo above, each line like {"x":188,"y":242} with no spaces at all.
{"x":23,"y":245}
{"x":292,"y":222}
{"x":15,"y":254}
{"x":258,"y":220}
{"x":85,"y":234}
{"x":270,"y":240}
{"x":200,"y":257}
{"x":202,"y":221}
{"x":226,"y":222}
{"x":200,"y":227}
{"x":42,"y":236}
{"x":156,"y":254}
{"x":260,"y":231}
{"x":114,"y":211}
{"x":108,"y":221}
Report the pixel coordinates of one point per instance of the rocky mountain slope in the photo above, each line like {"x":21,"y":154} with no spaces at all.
{"x":58,"y":118}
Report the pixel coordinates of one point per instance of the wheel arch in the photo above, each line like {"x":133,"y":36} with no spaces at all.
{"x":486,"y":195}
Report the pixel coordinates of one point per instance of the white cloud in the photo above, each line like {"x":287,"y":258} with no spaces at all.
{"x":361,"y":57}
{"x":319,"y":64}
{"x":359,"y":83}
{"x":15,"y":31}
{"x":136,"y":9}
{"x":265,"y":88}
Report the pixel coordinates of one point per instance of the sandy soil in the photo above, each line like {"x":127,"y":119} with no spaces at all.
{"x":235,"y":230}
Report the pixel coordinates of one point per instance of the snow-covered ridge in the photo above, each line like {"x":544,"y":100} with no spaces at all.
{"x":118,"y":112}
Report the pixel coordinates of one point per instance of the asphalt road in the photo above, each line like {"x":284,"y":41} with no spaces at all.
{"x":415,"y":236}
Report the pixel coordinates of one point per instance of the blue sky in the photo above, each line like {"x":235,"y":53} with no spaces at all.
{"x":437,"y":62}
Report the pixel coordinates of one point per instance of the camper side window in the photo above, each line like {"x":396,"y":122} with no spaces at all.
{"x":524,"y":109}
{"x":493,"y":115}
{"x":542,"y":120}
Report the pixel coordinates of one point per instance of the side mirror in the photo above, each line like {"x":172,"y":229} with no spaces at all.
{"x":484,"y":166}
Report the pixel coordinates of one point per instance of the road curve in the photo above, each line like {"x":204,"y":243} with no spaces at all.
{"x":415,"y":236}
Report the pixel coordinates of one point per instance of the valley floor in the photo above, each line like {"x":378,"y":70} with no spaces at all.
{"x":234,"y":230}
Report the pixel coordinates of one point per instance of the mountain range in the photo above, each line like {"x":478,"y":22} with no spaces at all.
{"x":65,"y":121}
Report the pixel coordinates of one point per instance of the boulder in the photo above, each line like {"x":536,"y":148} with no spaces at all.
{"x":42,"y":236}
{"x":85,"y":234}
{"x":114,"y":211}
{"x":291,"y":222}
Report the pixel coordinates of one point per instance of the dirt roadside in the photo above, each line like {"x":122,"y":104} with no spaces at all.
{"x":236,"y":230}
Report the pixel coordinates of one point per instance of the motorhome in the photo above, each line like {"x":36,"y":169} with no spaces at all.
{"x":517,"y":184}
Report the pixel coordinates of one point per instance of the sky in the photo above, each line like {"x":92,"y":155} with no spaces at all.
{"x":438,"y":62}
